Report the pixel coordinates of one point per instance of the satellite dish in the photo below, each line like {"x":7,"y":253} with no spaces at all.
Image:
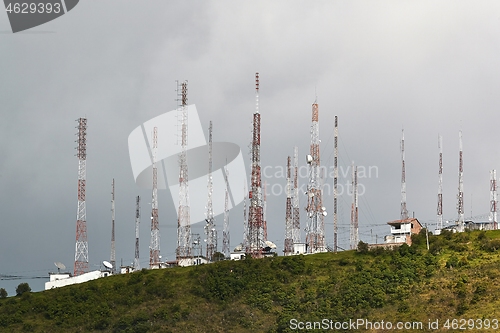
{"x":59,"y":266}
{"x":271,"y":244}
{"x":309,"y":159}
{"x":107,"y":264}
{"x":325,"y":213}
{"x":323,"y":208}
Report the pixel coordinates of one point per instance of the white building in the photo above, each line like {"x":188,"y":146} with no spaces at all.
{"x":65,"y":279}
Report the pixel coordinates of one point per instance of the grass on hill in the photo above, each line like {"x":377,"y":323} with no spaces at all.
{"x":457,"y":278}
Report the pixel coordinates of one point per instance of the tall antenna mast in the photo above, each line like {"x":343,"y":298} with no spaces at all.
{"x":315,"y":237}
{"x":460,"y":205}
{"x":113,"y":253}
{"x":154,"y":248}
{"x":493,"y":199}
{"x":288,"y":248}
{"x":81,"y":246}
{"x":354,"y":209}
{"x":295,"y":199}
{"x":404,"y":211}
{"x":184,"y":224}
{"x":335,"y":180}
{"x":245,"y":217}
{"x":210,"y":226}
{"x":255,"y":211}
{"x":137,"y":265}
{"x":440,"y":186}
{"x":225,"y":232}
{"x":264,"y":217}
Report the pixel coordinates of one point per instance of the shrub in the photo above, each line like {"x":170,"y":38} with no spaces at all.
{"x":362,"y":247}
{"x":23,"y":288}
{"x":3,"y":293}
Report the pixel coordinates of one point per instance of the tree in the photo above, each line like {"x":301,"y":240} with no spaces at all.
{"x":23,"y":288}
{"x":363,"y":247}
{"x":218,"y":256}
{"x":3,"y":293}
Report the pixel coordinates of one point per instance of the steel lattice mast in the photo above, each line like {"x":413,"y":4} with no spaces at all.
{"x":354,"y":209}
{"x":81,"y":246}
{"x":335,"y":189}
{"x":137,"y":265}
{"x":315,"y":237}
{"x":113,"y":251}
{"x":154,"y":247}
{"x":460,"y":197}
{"x":183,"y":224}
{"x":404,"y":211}
{"x":493,"y":198}
{"x":225,"y":231}
{"x":295,"y":199}
{"x":210,"y":226}
{"x":288,"y":246}
{"x":255,"y":212}
{"x":440,"y":185}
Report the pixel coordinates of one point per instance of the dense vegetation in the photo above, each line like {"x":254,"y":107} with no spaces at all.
{"x":458,"y":277}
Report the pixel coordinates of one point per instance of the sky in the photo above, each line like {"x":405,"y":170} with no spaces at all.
{"x":428,"y":67}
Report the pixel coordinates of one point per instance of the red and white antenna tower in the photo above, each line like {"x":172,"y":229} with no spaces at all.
{"x":288,"y":246}
{"x":404,"y":211}
{"x":315,"y":237}
{"x":137,"y":265}
{"x":82,"y":245}
{"x":335,"y":180}
{"x":295,"y":198}
{"x":113,"y":250}
{"x":210,"y":231}
{"x":183,"y":224}
{"x":354,"y":209}
{"x":493,"y":198}
{"x":154,"y":247}
{"x":225,"y":231}
{"x":440,"y":185}
{"x":460,"y":197}
{"x":255,"y":212}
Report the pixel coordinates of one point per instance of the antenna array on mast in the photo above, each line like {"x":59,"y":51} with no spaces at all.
{"x":154,"y":248}
{"x":255,"y":212}
{"x":440,"y":186}
{"x":113,"y":252}
{"x":315,"y":237}
{"x":295,"y":198}
{"x":225,"y":231}
{"x":288,"y":246}
{"x":404,"y":211}
{"x":460,"y":197}
{"x":210,"y":231}
{"x":493,"y":199}
{"x":335,"y":180}
{"x":354,"y":209}
{"x":137,"y":265}
{"x":183,"y":224}
{"x":81,"y":246}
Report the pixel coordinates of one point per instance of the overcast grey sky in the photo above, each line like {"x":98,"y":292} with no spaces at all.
{"x":428,"y":66}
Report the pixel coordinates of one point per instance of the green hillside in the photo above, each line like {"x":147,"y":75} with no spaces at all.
{"x":458,"y":278}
